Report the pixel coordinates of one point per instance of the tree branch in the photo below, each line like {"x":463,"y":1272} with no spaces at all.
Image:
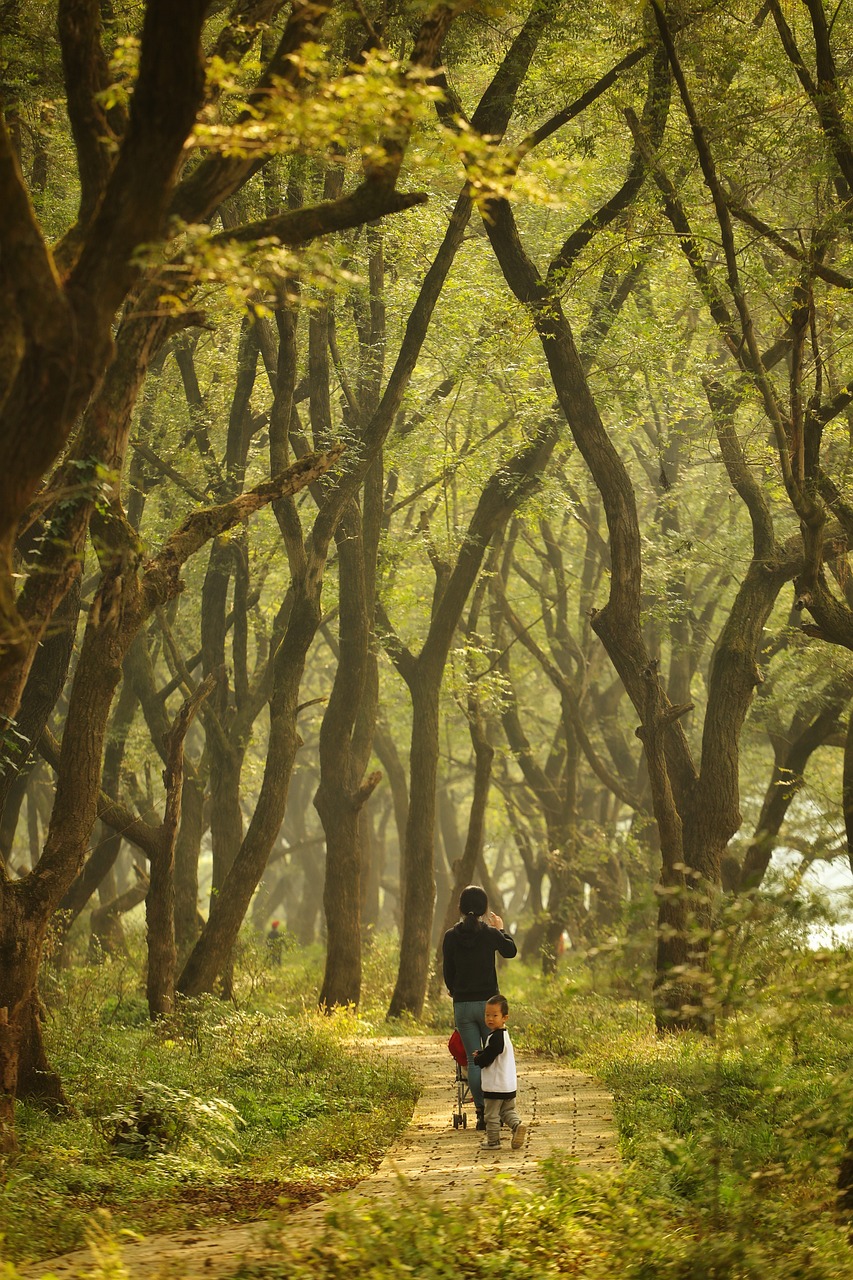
{"x":86,"y":75}
{"x":160,"y":574}
{"x":167,"y":469}
{"x":122,"y":820}
{"x":829,"y":274}
{"x":367,"y":202}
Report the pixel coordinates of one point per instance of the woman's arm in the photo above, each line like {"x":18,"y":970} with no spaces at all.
{"x":505,"y":944}
{"x":448,"y":953}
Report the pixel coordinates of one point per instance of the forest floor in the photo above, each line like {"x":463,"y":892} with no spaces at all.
{"x":565,"y":1111}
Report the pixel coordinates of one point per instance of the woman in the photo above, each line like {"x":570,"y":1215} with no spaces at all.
{"x":470,"y":976}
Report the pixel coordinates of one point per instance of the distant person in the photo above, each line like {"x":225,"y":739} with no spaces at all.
{"x":275,"y":944}
{"x":468,"y":951}
{"x":498,"y":1078}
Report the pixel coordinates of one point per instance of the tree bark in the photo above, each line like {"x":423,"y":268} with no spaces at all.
{"x":104,"y":855}
{"x":160,"y":900}
{"x":343,"y":789}
{"x":107,"y":938}
{"x":463,"y":866}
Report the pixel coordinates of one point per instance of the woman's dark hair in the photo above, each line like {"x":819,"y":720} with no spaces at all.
{"x":473,"y":903}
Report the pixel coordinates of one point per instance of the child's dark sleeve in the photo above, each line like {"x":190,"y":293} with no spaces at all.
{"x":494,"y":1048}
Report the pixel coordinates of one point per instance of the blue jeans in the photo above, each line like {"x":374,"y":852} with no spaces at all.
{"x":470,"y":1019}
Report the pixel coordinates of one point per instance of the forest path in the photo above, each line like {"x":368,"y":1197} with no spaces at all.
{"x":565,"y":1111}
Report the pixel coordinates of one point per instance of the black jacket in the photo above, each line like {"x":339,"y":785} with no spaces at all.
{"x":469,"y":960}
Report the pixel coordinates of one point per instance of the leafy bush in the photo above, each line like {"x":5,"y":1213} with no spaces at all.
{"x":744,"y":1129}
{"x":581,"y":1225}
{"x":126,"y":1010}
{"x":161,"y":1118}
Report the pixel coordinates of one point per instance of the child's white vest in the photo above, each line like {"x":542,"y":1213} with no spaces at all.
{"x":499,"y":1076}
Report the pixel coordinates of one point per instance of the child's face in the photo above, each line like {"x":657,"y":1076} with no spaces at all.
{"x":495,"y":1017}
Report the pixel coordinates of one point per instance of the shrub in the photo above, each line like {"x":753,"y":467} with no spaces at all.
{"x":164,"y":1119}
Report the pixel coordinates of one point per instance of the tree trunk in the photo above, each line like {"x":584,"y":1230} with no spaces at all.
{"x":447,"y":854}
{"x":160,"y":901}
{"x":419,"y":891}
{"x":371,"y":871}
{"x":47,"y":675}
{"x":463,"y":867}
{"x":140,"y":679}
{"x":343,"y":756}
{"x":107,"y":938}
{"x":37,"y":1079}
{"x":303,"y":920}
{"x":395,"y":772}
{"x":188,"y":921}
{"x":23,"y":1068}
{"x":11,"y":812}
{"x":103,"y":857}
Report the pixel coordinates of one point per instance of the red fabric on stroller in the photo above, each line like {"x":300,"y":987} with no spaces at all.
{"x":457,"y":1049}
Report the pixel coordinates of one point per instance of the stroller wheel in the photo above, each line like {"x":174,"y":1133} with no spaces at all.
{"x":464,"y":1121}
{"x":456,"y":1121}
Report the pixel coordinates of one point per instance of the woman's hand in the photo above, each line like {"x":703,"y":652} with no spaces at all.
{"x":495,"y":920}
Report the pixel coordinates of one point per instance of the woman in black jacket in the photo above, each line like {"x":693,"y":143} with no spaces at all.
{"x":470,"y":976}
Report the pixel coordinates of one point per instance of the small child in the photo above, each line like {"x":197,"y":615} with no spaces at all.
{"x":497,"y":1061}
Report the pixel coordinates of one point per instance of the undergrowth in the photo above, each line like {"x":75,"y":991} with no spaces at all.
{"x":730,"y":1141}
{"x":583,"y":1226}
{"x":220,"y":1114}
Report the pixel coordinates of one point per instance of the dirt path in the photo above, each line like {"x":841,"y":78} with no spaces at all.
{"x":564,"y":1110}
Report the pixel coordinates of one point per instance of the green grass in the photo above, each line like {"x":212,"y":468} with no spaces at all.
{"x":730,"y":1147}
{"x":580,"y":1226}
{"x":730,"y":1143}
{"x":219,"y":1117}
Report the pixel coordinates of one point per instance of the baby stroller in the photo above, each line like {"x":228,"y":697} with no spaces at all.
{"x":463,"y":1093}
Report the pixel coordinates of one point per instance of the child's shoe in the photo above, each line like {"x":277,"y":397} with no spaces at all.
{"x":519,"y":1133}
{"x":490,"y":1146}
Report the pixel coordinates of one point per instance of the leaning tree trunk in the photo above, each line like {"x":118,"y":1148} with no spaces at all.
{"x":47,"y":675}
